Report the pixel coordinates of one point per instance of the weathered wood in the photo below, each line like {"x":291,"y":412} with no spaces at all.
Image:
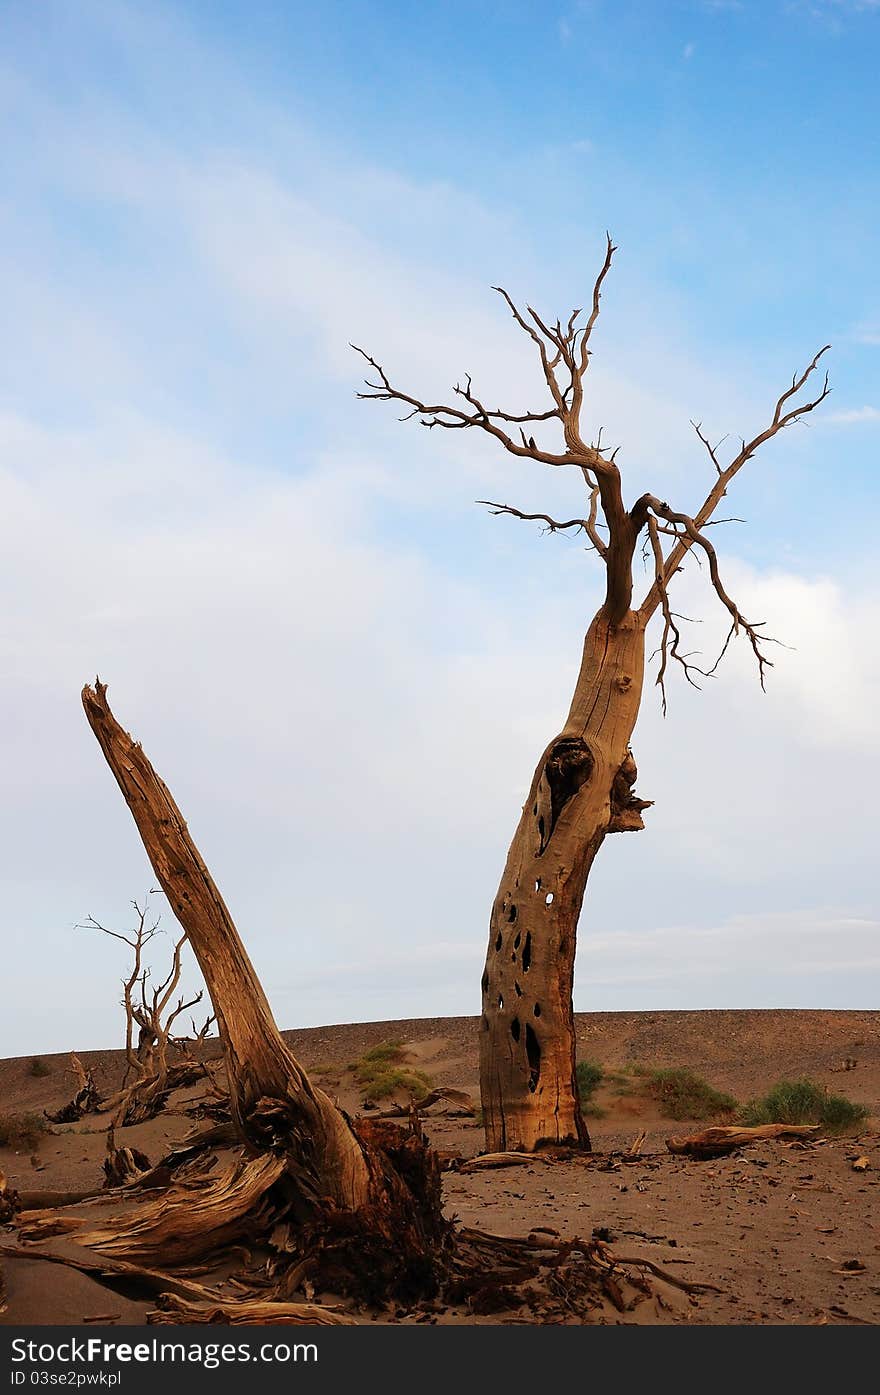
{"x":251,"y":1312}
{"x":103,"y":1268}
{"x":580,"y":792}
{"x":485,"y":1161}
{"x":377,"y":1187}
{"x":86,"y":1100}
{"x":10,"y":1201}
{"x":712,"y":1143}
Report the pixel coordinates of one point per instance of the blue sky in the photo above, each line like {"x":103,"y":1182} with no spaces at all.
{"x":342,"y":667}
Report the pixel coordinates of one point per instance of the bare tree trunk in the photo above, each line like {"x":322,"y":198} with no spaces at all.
{"x":581,"y":790}
{"x":375,"y":1187}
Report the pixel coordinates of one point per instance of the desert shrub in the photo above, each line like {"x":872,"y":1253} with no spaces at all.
{"x":22,"y":1130}
{"x":682,"y":1094}
{"x":38,"y":1068}
{"x":804,"y":1102}
{"x":381,"y":1072}
{"x":589,"y":1076}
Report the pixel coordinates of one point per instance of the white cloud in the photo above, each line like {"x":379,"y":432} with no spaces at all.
{"x":346,"y":691}
{"x":796,"y":958}
{"x":852,"y":416}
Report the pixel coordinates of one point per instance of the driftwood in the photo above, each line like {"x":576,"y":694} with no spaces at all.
{"x":460,"y":1098}
{"x":49,"y":1198}
{"x":172,"y":1308}
{"x":635,"y":1148}
{"x":488,"y":1160}
{"x":124,"y":1165}
{"x":86,"y":1100}
{"x":713,"y":1143}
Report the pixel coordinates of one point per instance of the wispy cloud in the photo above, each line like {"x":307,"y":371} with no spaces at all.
{"x":344,"y":671}
{"x":852,"y":416}
{"x":867,"y":334}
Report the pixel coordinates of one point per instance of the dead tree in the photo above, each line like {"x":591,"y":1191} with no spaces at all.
{"x":86,"y":1100}
{"x":150,"y":1015}
{"x":309,"y":1200}
{"x":582,"y":788}
{"x":364,"y":1199}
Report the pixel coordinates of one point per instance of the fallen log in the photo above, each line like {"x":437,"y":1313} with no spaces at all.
{"x":713,"y":1143}
{"x":489,"y":1160}
{"x":460,"y":1098}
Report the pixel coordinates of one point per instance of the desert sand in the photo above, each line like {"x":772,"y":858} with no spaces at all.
{"x":787,"y":1232}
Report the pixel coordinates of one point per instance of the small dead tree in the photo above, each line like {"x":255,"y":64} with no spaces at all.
{"x":150,"y":1015}
{"x":582,"y":788}
{"x":86,"y":1100}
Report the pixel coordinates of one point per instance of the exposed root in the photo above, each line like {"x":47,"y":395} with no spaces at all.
{"x":241,"y":1227}
{"x":192,"y":1221}
{"x":172,"y":1308}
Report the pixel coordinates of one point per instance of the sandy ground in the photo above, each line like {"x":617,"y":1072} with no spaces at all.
{"x":779,"y":1229}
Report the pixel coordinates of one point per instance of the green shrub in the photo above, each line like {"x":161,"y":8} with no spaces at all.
{"x":38,"y":1068}
{"x":683,"y":1095}
{"x":22,"y":1130}
{"x":804,"y":1102}
{"x":589,"y":1076}
{"x":380,"y":1073}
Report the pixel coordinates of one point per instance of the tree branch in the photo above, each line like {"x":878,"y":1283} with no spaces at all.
{"x":552,"y":525}
{"x":693,"y":536}
{"x":779,"y":421}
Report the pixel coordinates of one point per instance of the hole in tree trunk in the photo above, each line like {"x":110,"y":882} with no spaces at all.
{"x":514,"y":1029}
{"x":518,"y":989}
{"x":511,"y":914}
{"x":537,"y":1009}
{"x":533,"y":1052}
{"x":500,"y":1003}
{"x":568,"y":767}
{"x":498,"y":943}
{"x":517,"y":940}
{"x":538,"y":884}
{"x":485,"y":981}
{"x":548,"y":899}
{"x":527,"y":952}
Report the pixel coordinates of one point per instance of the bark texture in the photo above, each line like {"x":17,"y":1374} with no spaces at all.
{"x":581,"y":790}
{"x":376,"y":1188}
